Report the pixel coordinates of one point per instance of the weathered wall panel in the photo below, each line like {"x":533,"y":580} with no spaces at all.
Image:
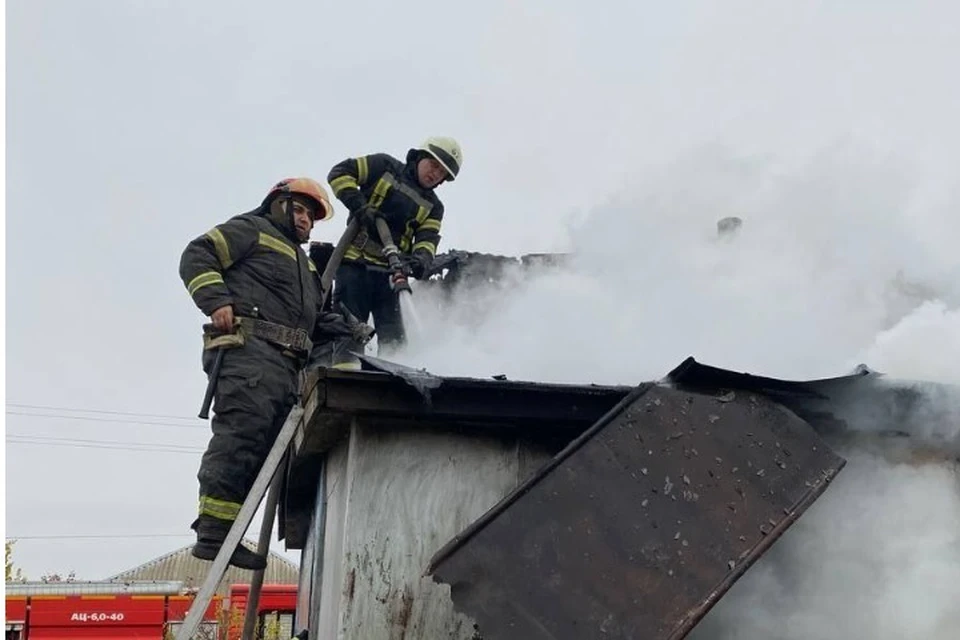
{"x":337,"y":485}
{"x":396,"y":497}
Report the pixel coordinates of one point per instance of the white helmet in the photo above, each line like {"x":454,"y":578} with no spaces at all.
{"x":446,"y":151}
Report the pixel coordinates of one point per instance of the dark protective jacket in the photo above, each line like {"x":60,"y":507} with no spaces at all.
{"x":414,"y":214}
{"x":251,"y":262}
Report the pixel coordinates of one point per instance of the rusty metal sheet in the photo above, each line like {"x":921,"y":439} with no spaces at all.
{"x":638,"y":527}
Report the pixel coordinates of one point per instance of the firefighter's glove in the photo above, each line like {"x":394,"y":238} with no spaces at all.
{"x":405,"y":267}
{"x":366,"y":214}
{"x":361,"y":332}
{"x":394,"y":262}
{"x":416,"y":265}
{"x":332,"y":325}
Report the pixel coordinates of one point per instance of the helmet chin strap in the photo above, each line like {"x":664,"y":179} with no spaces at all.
{"x":284,"y":203}
{"x":287,"y":204}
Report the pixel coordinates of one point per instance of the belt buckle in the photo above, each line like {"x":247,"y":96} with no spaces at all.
{"x":361,"y":240}
{"x":302,"y":341}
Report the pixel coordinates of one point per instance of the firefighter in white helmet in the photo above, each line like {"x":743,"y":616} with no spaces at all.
{"x":404,"y":195}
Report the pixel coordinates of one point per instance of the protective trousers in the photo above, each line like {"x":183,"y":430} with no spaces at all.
{"x":255,"y":392}
{"x":367,"y":291}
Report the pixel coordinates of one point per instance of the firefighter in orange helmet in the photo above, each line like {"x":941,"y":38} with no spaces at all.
{"x":262,"y":292}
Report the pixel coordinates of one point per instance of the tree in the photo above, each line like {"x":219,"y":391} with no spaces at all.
{"x":271,"y":626}
{"x":11,"y":572}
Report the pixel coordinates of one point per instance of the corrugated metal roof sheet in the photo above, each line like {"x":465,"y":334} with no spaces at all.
{"x":180,"y":565}
{"x":85,"y":587}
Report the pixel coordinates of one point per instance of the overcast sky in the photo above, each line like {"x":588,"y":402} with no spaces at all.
{"x":135,"y":126}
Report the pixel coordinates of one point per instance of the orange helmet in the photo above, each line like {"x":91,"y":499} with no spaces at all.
{"x":306,"y":187}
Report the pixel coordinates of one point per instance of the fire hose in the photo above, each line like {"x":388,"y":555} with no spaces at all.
{"x":398,"y":276}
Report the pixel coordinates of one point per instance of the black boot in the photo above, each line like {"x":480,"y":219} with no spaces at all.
{"x":211,"y":532}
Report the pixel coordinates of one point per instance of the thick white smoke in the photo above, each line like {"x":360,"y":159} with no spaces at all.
{"x":838,"y":262}
{"x":875,"y":557}
{"x":828,"y":257}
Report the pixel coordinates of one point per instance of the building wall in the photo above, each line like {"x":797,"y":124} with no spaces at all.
{"x":394,"y":498}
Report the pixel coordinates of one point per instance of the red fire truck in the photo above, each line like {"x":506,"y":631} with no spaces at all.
{"x":107,"y":611}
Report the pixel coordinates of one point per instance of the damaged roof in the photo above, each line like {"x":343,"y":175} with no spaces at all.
{"x":659,"y":498}
{"x":392,"y":396}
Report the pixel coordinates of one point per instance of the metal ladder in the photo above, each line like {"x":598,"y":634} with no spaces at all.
{"x":268,"y":478}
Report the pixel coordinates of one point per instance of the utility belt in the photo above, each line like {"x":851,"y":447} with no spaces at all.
{"x":295,"y":341}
